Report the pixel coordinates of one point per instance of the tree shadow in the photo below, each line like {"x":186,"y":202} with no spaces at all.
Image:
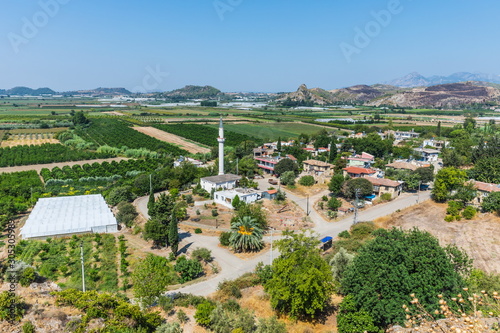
{"x":184,"y":249}
{"x":184,"y":235}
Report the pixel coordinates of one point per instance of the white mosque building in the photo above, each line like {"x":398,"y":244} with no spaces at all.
{"x":225,"y":185}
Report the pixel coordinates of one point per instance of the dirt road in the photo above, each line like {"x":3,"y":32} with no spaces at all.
{"x":174,"y":139}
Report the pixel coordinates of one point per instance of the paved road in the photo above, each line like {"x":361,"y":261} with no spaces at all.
{"x":232,"y":267}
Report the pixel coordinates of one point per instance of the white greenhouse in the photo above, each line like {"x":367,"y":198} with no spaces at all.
{"x":65,"y":216}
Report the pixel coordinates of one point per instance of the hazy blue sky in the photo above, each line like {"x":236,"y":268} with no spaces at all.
{"x":242,"y":45}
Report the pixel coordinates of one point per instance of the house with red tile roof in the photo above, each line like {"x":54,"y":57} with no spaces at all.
{"x":483,"y":190}
{"x":356,"y":172}
{"x":384,"y":185}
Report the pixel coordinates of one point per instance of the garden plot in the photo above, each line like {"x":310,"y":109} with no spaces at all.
{"x":19,"y":139}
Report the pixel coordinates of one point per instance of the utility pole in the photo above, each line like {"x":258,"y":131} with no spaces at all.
{"x":307,"y":206}
{"x":83,"y":267}
{"x":271,"y":260}
{"x":418,"y":191}
{"x":236,"y":165}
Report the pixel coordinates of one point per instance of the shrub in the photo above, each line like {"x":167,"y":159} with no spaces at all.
{"x":307,"y":181}
{"x":198,"y":212}
{"x":126,"y":213}
{"x":324,"y":198}
{"x":349,"y":320}
{"x":172,"y":327}
{"x":227,"y":289}
{"x":203,"y":312}
{"x":334,"y":204}
{"x":182,"y":316}
{"x":189,"y":199}
{"x":449,"y":218}
{"x":186,"y":300}
{"x":166,"y":303}
{"x":188,"y":269}
{"x":28,"y":276}
{"x":12,"y":307}
{"x":215,"y":212}
{"x":321,"y":205}
{"x":362,"y":230}
{"x":386,"y":196}
{"x":224,"y":238}
{"x":28,"y":327}
{"x":288,"y":178}
{"x":202,"y":254}
{"x":198,"y":231}
{"x":270,"y":325}
{"x":454,"y":207}
{"x":469,"y":212}
{"x":344,"y":234}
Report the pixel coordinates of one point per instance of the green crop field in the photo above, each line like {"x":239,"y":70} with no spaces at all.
{"x":273,"y":131}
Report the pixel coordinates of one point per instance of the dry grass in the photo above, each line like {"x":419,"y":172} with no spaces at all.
{"x":174,"y":139}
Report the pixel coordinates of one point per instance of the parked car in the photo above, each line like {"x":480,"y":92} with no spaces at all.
{"x":273,"y":181}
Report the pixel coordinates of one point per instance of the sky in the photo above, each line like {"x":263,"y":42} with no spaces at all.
{"x":241,"y":45}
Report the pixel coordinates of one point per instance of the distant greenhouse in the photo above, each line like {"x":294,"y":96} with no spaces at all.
{"x":65,"y":216}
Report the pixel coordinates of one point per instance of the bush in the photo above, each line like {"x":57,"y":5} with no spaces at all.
{"x":288,"y":178}
{"x":166,"y":303}
{"x":28,"y":327}
{"x":454,"y":207}
{"x":187,"y":300}
{"x":469,"y":212}
{"x":172,"y":327}
{"x":344,"y":234}
{"x":188,"y":269}
{"x":270,"y":325}
{"x":449,"y":218}
{"x":349,"y":320}
{"x":203,"y":312}
{"x":324,"y":198}
{"x":227,"y":289}
{"x":28,"y":276}
{"x":334,"y":204}
{"x":224,"y":238}
{"x":198,"y":231}
{"x":126,"y":213}
{"x":362,"y":230}
{"x":202,"y":254}
{"x":307,"y":181}
{"x":215,"y":212}
{"x":182,"y":316}
{"x":386,"y":196}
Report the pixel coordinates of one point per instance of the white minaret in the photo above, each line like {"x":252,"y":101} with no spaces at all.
{"x":221,"y":140}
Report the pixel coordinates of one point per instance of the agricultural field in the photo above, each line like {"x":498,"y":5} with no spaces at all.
{"x":207,"y":134}
{"x":44,"y":153}
{"x":273,"y":131}
{"x":20,"y":139}
{"x":173,"y":139}
{"x":59,"y":260}
{"x":115,"y":133}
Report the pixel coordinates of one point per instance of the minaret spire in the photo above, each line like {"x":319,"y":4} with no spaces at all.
{"x":221,"y":140}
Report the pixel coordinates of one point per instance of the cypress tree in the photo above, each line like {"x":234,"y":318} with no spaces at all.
{"x":173,"y":235}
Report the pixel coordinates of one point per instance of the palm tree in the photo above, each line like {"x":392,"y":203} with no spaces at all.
{"x":246,"y":235}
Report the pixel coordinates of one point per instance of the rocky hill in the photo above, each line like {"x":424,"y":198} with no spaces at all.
{"x":25,"y":91}
{"x":444,"y":95}
{"x":191,"y":92}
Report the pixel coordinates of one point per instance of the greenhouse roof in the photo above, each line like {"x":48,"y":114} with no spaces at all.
{"x":69,"y":215}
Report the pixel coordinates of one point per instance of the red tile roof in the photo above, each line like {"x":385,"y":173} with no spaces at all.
{"x":272,"y":191}
{"x":383,"y":182}
{"x":486,"y":187}
{"x":358,"y":170}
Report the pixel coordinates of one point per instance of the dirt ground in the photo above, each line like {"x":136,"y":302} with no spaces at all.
{"x":171,"y":138}
{"x":35,"y":142}
{"x":39,"y":167}
{"x":479,"y":237}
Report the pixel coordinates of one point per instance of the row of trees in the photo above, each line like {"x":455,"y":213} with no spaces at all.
{"x":45,"y":153}
{"x":115,"y":133}
{"x":205,"y":134}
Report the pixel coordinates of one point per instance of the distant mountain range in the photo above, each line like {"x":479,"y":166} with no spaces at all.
{"x":416,"y":80}
{"x":450,"y":95}
{"x":25,"y":91}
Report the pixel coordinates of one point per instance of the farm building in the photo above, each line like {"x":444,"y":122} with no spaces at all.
{"x":65,"y":216}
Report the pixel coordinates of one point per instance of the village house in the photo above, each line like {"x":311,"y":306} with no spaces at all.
{"x":384,"y":185}
{"x":267,"y":163}
{"x":483,"y":190}
{"x":356,"y":172}
{"x":317,"y":168}
{"x":246,"y":195}
{"x":224,"y":182}
{"x":428,"y":155}
{"x":364,"y":160}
